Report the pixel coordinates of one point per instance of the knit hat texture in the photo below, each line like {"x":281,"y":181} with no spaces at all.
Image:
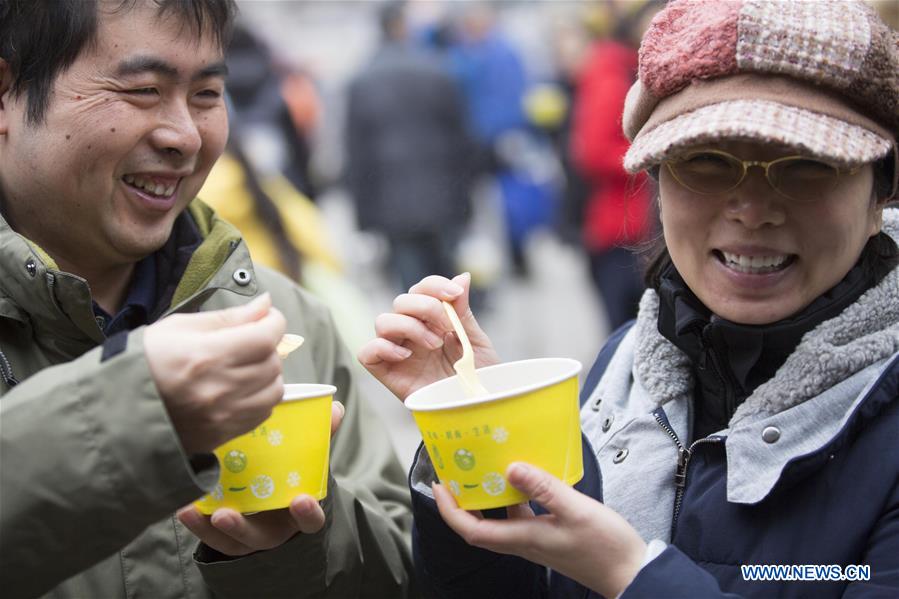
{"x":820,"y":76}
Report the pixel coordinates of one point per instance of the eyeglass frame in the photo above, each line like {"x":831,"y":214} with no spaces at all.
{"x":747,"y":164}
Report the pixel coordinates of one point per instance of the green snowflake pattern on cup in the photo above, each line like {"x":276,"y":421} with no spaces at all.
{"x":464,"y":459}
{"x":235,"y":461}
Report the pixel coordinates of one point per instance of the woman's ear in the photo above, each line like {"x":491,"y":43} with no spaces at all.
{"x":5,"y":90}
{"x":877,"y":218}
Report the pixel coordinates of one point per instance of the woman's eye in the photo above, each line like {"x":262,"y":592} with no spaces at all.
{"x":810,"y":169}
{"x":706,"y":162}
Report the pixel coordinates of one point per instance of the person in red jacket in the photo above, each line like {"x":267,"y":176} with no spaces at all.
{"x":616,"y":217}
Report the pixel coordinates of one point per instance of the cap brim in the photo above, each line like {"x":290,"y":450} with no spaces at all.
{"x":764,"y":121}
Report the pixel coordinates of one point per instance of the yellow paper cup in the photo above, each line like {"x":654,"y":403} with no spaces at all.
{"x":531,"y":415}
{"x":283,"y":457}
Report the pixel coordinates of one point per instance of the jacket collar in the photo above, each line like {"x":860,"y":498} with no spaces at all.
{"x":863,"y":334}
{"x":58,"y":306}
{"x":729,"y":359}
{"x":808,"y":399}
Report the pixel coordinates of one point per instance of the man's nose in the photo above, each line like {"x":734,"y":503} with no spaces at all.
{"x":177,"y":131}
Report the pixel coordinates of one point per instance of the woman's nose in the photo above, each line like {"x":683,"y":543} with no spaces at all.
{"x":755,"y":203}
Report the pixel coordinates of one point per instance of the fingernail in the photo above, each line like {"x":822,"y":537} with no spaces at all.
{"x":303,"y":504}
{"x":185,"y":513}
{"x":454,"y":290}
{"x":341,"y":407}
{"x":517,"y":469}
{"x":222,"y":521}
{"x":434,"y":341}
{"x":257,"y":301}
{"x":403,"y":352}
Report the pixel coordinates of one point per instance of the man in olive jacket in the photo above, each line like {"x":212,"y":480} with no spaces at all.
{"x":129,"y":344}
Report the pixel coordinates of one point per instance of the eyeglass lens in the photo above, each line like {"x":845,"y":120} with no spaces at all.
{"x":799,"y":178}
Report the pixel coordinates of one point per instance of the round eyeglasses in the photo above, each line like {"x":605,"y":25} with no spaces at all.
{"x":798,"y":178}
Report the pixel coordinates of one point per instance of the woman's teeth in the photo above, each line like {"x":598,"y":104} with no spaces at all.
{"x":755,"y":264}
{"x":156,"y":189}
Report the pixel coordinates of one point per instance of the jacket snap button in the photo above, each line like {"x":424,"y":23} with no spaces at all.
{"x":31,"y":267}
{"x":607,"y":423}
{"x":619,"y":457}
{"x":242,"y":277}
{"x":771,"y":434}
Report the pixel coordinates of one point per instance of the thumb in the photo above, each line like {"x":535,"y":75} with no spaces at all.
{"x":230,"y":317}
{"x":543,"y":487}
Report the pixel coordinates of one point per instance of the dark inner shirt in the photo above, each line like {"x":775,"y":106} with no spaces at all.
{"x":154,"y":280}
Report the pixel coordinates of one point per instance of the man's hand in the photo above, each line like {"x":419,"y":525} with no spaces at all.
{"x":232,"y":533}
{"x":217,"y":372}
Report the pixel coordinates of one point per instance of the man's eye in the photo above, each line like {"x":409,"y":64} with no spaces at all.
{"x":143,"y":91}
{"x":210,"y":93}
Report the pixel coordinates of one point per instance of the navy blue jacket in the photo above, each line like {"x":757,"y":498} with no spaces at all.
{"x":836,"y":506}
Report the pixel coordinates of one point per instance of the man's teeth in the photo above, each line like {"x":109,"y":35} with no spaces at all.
{"x":754,"y":264}
{"x":157,"y":189}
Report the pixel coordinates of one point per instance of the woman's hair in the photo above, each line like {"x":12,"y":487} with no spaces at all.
{"x":879,"y":256}
{"x":265,"y":208}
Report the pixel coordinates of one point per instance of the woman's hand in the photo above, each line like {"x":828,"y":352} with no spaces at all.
{"x":580,"y":537}
{"x":416,"y":344}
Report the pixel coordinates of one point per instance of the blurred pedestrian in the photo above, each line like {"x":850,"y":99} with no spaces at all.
{"x":409,"y":153}
{"x":617,"y":216}
{"x":274,"y":126}
{"x":516,"y":156}
{"x":284,"y":230}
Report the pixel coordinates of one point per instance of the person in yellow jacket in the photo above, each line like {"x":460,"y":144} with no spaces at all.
{"x":284,"y":230}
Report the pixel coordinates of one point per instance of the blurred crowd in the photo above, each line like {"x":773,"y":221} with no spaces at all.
{"x":446,"y":117}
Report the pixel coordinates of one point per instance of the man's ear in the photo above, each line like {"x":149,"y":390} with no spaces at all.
{"x":5,"y":87}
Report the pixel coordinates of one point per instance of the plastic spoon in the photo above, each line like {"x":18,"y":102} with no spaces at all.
{"x":288,"y":343}
{"x":464,"y":366}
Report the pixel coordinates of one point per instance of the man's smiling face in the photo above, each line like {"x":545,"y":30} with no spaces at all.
{"x":131,"y":131}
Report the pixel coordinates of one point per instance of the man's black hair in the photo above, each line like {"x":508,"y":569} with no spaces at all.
{"x":40,"y":39}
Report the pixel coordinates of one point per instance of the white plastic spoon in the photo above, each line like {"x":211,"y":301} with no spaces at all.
{"x":464,"y":366}
{"x":288,"y":343}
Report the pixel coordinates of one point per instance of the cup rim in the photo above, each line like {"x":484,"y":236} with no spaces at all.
{"x":299,"y":391}
{"x":575,"y":369}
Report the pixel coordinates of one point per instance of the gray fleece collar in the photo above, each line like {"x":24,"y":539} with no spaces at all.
{"x":864,"y":334}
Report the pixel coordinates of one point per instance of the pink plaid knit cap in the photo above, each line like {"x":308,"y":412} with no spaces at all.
{"x":818,"y":76}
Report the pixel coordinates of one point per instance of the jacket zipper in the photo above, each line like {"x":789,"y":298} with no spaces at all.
{"x":683,"y":461}
{"x":6,"y":371}
{"x":726,"y":380}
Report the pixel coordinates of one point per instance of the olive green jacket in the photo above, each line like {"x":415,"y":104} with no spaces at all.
{"x":91,"y":469}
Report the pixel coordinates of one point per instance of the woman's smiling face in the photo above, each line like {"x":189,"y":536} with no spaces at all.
{"x":753,"y":256}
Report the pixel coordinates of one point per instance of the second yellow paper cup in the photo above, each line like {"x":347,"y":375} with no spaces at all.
{"x":285,"y":456}
{"x":531,"y":415}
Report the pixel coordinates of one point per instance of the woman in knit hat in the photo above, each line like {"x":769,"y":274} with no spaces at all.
{"x":749,"y":416}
